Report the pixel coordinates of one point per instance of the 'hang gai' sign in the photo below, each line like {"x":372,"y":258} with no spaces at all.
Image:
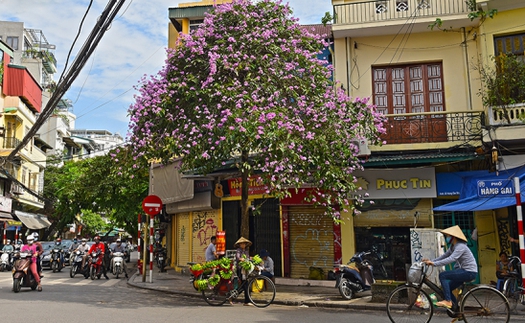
{"x":492,"y":188}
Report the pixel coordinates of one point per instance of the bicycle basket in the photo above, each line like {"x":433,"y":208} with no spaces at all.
{"x":415,"y":273}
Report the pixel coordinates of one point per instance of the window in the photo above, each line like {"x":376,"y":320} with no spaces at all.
{"x":408,"y":89}
{"x":512,"y":44}
{"x":12,"y":42}
{"x":417,"y":88}
{"x":194,"y":24}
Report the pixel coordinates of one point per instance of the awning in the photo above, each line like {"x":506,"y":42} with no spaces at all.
{"x":488,"y":191}
{"x":4,"y":216}
{"x":32,"y":220}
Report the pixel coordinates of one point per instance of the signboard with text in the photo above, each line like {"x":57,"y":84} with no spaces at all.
{"x":492,"y":188}
{"x":220,"y":243}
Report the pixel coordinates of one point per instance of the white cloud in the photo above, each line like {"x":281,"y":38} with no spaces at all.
{"x":134,"y":46}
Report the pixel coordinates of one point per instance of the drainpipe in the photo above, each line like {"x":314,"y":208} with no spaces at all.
{"x":465,"y":51}
{"x":347,"y":58}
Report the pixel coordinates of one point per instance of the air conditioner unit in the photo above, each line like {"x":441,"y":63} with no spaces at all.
{"x":364,"y":150}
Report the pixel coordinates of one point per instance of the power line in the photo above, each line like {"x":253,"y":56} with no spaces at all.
{"x":66,"y":79}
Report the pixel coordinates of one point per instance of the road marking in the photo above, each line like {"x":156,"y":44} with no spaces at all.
{"x":56,"y":281}
{"x":110,"y":282}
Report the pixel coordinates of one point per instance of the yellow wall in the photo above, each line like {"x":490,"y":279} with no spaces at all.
{"x":354,"y":58}
{"x":504,"y":23}
{"x":348,"y":247}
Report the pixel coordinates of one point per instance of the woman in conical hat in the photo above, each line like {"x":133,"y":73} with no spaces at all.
{"x":464,"y":270}
{"x":243,"y":253}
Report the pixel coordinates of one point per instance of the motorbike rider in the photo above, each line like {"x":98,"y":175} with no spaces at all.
{"x":40,"y":250}
{"x":58,"y":244}
{"x":31,"y":247}
{"x":97,"y":246}
{"x":119,"y":247}
{"x":8,"y":247}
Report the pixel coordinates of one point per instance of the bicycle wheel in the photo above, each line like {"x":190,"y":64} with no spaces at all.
{"x":217,"y":295}
{"x":513,"y":291}
{"x":485,"y":304}
{"x":261,"y":291}
{"x":409,"y":304}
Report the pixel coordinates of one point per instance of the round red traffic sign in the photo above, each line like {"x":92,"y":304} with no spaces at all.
{"x":152,"y":205}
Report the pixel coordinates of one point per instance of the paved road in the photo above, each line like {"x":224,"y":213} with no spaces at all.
{"x":73,"y":300}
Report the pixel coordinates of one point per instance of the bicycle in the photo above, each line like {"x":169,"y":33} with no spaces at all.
{"x":261,"y":289}
{"x":411,"y":302}
{"x":512,"y":286}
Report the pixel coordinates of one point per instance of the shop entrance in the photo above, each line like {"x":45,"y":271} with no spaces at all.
{"x":392,"y":243}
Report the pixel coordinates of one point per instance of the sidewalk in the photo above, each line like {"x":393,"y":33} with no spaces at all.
{"x":292,"y":292}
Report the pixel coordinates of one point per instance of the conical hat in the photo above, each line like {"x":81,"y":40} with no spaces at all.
{"x":455,"y":231}
{"x":243,"y":239}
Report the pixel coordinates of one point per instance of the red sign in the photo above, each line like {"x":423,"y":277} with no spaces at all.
{"x":255,"y":186}
{"x":152,"y":205}
{"x":220,"y":243}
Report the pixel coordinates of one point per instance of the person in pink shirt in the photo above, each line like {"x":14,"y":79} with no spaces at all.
{"x":31,"y":247}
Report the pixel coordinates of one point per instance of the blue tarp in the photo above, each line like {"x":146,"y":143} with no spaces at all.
{"x":487,"y":191}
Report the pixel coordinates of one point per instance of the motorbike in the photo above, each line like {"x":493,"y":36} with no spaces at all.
{"x":358,"y":274}
{"x":22,"y":275}
{"x":117,"y":261}
{"x":76,"y":264}
{"x":56,"y":261}
{"x":95,"y":264}
{"x":6,"y":261}
{"x":160,"y":259}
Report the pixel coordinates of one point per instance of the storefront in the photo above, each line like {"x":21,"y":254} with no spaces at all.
{"x":398,"y":199}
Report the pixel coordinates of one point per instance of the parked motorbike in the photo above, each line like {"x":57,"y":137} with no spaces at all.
{"x":358,"y":274}
{"x":76,"y":264}
{"x":22,"y":275}
{"x":6,"y":261}
{"x":117,"y":261}
{"x":160,"y":259}
{"x":95,"y":264}
{"x":56,"y":261}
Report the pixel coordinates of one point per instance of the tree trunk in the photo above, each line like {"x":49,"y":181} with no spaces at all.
{"x":245,"y":214}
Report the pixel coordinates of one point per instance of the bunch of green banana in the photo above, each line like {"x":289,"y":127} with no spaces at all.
{"x":226,"y":274}
{"x":214,"y":280}
{"x":257,"y":260}
{"x":202,"y":284}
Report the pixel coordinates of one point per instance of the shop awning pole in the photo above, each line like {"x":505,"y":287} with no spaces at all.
{"x":4,"y":241}
{"x":520,"y":227}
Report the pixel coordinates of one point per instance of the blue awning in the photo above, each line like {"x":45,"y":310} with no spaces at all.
{"x":488,"y":191}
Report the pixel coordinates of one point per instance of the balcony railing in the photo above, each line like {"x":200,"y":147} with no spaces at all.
{"x":510,"y":115}
{"x":383,"y":10}
{"x":434,"y":127}
{"x":11,"y":142}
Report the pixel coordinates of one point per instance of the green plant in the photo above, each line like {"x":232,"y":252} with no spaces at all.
{"x":503,"y":84}
{"x":1,"y":73}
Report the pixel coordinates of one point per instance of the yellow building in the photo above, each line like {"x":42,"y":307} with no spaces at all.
{"x":424,"y":76}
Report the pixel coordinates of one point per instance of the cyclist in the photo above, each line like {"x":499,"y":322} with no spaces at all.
{"x":464,"y":270}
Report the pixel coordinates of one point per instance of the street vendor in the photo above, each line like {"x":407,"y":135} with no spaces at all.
{"x":243,"y":253}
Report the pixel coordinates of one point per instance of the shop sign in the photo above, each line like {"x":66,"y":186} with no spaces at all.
{"x":492,"y":188}
{"x":5,"y":204}
{"x":397,"y":183}
{"x":255,"y":186}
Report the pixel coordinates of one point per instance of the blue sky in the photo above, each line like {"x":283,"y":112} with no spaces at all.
{"x":133,"y":47}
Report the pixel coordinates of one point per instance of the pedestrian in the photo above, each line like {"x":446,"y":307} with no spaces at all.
{"x":211,"y":251}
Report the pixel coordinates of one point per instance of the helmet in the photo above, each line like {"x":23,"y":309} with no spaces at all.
{"x":97,"y":237}
{"x":30,"y":238}
{"x":35,"y":234}
{"x":119,"y":240}
{"x":8,"y":242}
{"x":59,"y":239}
{"x":84,"y":240}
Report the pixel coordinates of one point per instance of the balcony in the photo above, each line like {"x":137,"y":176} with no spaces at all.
{"x":19,"y":82}
{"x":506,"y":125}
{"x":11,"y":143}
{"x":377,"y":17}
{"x":449,"y":128}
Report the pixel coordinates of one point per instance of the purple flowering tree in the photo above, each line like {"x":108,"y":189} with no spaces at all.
{"x":248,"y":87}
